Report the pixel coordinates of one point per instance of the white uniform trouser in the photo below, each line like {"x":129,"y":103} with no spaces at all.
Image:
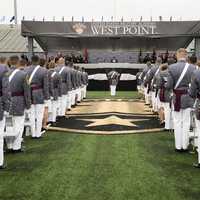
{"x":197,"y":122}
{"x":63,"y":105}
{"x":59,"y":106}
{"x":53,"y":113}
{"x":2,"y":126}
{"x":85,"y":91}
{"x":113,"y":90}
{"x":168,"y":116}
{"x":181,"y":128}
{"x":146,"y":95}
{"x":79,"y":94}
{"x":69,"y":100}
{"x":18,"y":128}
{"x":36,"y":117}
{"x":82,"y":92}
{"x":73,"y":97}
{"x":154,"y":102}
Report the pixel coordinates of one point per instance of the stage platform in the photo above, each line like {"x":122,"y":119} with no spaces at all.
{"x":113,"y":65}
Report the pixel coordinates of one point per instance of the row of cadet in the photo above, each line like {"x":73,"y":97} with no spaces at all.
{"x":33,"y":97}
{"x":172,"y":90}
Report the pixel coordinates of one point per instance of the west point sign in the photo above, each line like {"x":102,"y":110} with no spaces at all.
{"x":115,"y":28}
{"x":61,"y":35}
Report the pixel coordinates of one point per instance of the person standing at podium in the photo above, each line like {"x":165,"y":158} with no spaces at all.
{"x":113,"y":78}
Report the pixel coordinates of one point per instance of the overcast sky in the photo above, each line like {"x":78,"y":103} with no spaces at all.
{"x":129,"y":9}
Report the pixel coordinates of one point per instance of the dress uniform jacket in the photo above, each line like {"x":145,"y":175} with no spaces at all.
{"x":194,"y":92}
{"x":39,"y":84}
{"x":150,"y":79}
{"x":113,"y":77}
{"x":181,"y":98}
{"x":65,"y":78}
{"x":73,"y":78}
{"x":144,"y":73}
{"x":55,"y":86}
{"x":3,"y":91}
{"x":20,"y":93}
{"x":161,"y":80}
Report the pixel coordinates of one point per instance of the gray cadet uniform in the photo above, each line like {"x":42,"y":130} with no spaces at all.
{"x":20,"y":99}
{"x":150,"y":82}
{"x":74,"y":86}
{"x":3,"y":98}
{"x":55,"y":91}
{"x":66,"y":80}
{"x":143,"y":77}
{"x":113,"y":78}
{"x":182,"y":102}
{"x":84,"y":78}
{"x":80,"y":85}
{"x":39,"y":94}
{"x":195,"y":93}
{"x":164,"y":97}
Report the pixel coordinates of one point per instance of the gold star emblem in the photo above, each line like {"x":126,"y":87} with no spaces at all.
{"x":114,"y":120}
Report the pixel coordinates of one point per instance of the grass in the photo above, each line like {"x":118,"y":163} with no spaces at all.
{"x":119,"y":95}
{"x":65,"y":166}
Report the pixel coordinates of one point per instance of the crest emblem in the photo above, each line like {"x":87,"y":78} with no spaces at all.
{"x":79,"y":28}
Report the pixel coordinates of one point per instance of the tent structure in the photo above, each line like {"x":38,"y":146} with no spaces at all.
{"x":64,"y":36}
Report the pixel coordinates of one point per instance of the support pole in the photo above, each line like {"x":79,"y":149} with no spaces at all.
{"x":15,"y":11}
{"x":197,"y":47}
{"x":30,"y":47}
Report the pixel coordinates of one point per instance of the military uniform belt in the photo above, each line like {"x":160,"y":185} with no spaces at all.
{"x":178,"y":94}
{"x":17,"y":94}
{"x":35,"y":87}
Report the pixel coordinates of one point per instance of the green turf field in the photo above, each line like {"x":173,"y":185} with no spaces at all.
{"x":119,"y":95}
{"x":65,"y":166}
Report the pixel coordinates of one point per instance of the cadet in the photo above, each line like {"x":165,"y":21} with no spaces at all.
{"x":20,"y":99}
{"x":63,"y":71}
{"x":151,"y":82}
{"x":85,"y":82}
{"x":55,"y":88}
{"x":113,"y":78}
{"x":79,"y":77}
{"x":74,"y":86}
{"x":3,"y":95}
{"x":164,"y":97}
{"x":69,"y":86}
{"x":143,"y":77}
{"x":38,"y":79}
{"x":179,"y":78}
{"x":195,"y":93}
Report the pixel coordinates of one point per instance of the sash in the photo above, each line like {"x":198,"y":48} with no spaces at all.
{"x":33,"y":74}
{"x":60,"y":72}
{"x":182,"y":75}
{"x":157,"y":71}
{"x":147,"y":74}
{"x":13,"y":74}
{"x":113,"y":74}
{"x":53,"y":74}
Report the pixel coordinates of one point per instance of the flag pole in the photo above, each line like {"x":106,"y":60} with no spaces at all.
{"x":15,"y":10}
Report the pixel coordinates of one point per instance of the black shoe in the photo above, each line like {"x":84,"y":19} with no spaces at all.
{"x":196,"y":165}
{"x":43,"y":130}
{"x":18,"y":151}
{"x":2,"y":167}
{"x":8,"y":151}
{"x":185,"y":150}
{"x":179,"y":150}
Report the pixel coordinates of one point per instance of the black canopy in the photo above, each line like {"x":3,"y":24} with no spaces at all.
{"x":63,"y":36}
